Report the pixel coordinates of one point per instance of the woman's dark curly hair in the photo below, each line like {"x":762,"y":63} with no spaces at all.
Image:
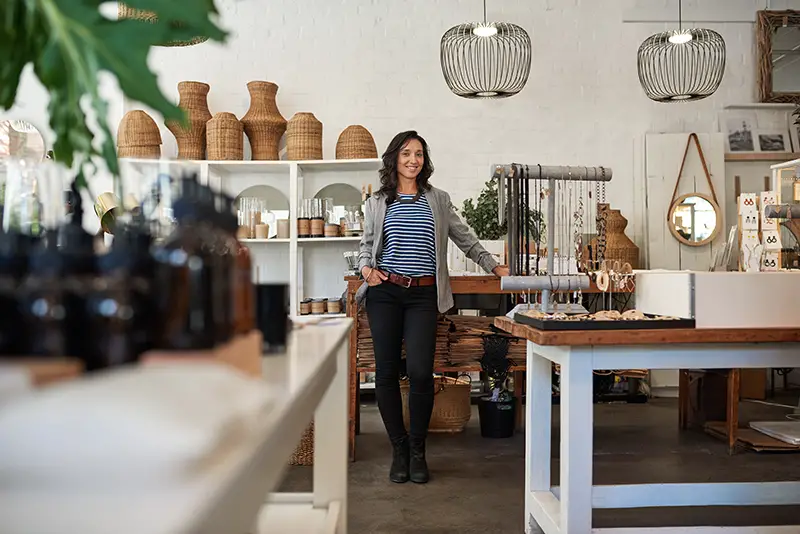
{"x":388,"y":172}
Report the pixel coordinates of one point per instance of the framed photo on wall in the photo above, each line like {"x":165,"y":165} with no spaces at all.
{"x":772,"y":141}
{"x":740,"y":133}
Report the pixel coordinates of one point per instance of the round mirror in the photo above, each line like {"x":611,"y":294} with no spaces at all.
{"x":694,"y":219}
{"x":20,"y":139}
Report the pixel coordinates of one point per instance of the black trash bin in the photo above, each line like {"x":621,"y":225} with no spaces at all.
{"x":497,"y":418}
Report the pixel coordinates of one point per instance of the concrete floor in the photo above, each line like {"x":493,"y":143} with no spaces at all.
{"x":477,"y":484}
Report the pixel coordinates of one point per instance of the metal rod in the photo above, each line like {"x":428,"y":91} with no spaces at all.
{"x":551,"y":239}
{"x":545,"y":284}
{"x":558,"y":172}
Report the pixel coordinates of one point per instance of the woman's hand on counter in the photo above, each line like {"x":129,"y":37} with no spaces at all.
{"x":501,"y":270}
{"x":373,"y":277}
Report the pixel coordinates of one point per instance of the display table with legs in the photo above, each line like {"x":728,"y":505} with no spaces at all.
{"x":568,"y":508}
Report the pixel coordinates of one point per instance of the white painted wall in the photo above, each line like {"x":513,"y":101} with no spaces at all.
{"x":377,"y":64}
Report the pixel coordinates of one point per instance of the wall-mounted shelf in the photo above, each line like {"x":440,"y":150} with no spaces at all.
{"x":761,"y":105}
{"x":264,"y":241}
{"x":328,"y":239}
{"x":761,"y":156}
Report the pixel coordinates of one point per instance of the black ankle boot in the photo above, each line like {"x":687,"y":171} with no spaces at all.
{"x":418,"y":470}
{"x":400,"y":460}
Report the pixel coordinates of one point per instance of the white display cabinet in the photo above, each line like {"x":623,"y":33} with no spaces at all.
{"x":313,"y":267}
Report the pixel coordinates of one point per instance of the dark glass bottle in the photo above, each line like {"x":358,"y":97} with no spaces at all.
{"x":14,"y":253}
{"x":243,"y":300}
{"x":185,"y":281}
{"x":130,"y":267}
{"x":217,"y":245}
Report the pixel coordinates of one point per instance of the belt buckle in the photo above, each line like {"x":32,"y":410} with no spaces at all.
{"x":407,"y":281}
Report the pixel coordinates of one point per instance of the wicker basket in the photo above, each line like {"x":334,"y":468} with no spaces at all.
{"x":127,"y":12}
{"x":304,"y":453}
{"x":355,"y":142}
{"x":225,"y":138}
{"x":451,"y":404}
{"x":138,"y":136}
{"x":304,"y":137}
{"x":192,"y":140}
{"x":263,"y":122}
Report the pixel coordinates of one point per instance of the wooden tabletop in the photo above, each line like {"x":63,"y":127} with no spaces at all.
{"x":648,"y":337}
{"x":473,"y":285}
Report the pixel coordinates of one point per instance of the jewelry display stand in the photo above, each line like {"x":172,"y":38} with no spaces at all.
{"x":566,"y":188}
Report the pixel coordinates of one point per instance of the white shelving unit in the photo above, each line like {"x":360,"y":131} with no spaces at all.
{"x":230,"y":492}
{"x":313,"y":267}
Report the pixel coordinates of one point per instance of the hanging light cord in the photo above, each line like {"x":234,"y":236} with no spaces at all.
{"x":680,"y":16}
{"x":484,"y":12}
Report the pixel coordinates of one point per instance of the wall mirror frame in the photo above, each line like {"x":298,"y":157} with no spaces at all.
{"x":21,"y":139}
{"x":681,"y":201}
{"x":768,"y":24}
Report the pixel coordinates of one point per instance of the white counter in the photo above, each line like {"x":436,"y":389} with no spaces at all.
{"x":227,"y":495}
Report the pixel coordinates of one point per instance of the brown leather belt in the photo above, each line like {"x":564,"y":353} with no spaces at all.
{"x":410,"y":281}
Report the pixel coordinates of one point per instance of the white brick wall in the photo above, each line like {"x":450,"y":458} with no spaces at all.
{"x":376,"y":63}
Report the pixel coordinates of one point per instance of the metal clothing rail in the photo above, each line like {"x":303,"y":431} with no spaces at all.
{"x":513,"y":183}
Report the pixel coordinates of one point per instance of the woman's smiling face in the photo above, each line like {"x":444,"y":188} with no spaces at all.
{"x":410,"y":160}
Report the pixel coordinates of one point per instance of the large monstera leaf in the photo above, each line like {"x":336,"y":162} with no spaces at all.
{"x":69,"y":42}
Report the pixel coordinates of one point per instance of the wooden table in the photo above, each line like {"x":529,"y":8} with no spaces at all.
{"x":460,"y":285}
{"x":568,"y":508}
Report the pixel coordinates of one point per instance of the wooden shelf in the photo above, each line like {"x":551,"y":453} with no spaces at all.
{"x":762,"y":105}
{"x":761,"y":156}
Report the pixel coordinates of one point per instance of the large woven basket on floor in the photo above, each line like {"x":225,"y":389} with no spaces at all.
{"x":127,"y":12}
{"x":138,"y":136}
{"x":451,"y":406}
{"x":304,"y":137}
{"x":225,"y":137}
{"x":355,"y":142}
{"x":304,"y":453}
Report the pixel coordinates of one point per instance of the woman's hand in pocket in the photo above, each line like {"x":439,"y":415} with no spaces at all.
{"x":374,"y":277}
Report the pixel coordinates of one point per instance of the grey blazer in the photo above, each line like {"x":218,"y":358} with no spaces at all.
{"x":447,"y":225}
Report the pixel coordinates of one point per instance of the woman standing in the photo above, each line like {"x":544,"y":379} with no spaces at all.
{"x":403,"y":260}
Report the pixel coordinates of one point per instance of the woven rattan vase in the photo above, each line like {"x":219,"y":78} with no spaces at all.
{"x":619,"y":247}
{"x":263,"y":123}
{"x":304,"y":137}
{"x":192,"y":140}
{"x":138,"y":136}
{"x":225,"y":136}
{"x":355,"y":142}
{"x":127,"y":12}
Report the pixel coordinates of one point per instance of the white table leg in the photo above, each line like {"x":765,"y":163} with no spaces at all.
{"x":576,"y":441}
{"x":538,"y":410}
{"x":330,"y":442}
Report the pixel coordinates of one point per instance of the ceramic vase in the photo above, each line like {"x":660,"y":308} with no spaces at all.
{"x":192,"y":140}
{"x":263,"y":122}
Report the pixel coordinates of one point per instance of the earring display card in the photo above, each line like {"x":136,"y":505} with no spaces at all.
{"x":769,"y":261}
{"x":771,"y":240}
{"x":748,"y":204}
{"x":750,"y":221}
{"x":751,"y":258}
{"x":750,"y":238}
{"x":768,"y":198}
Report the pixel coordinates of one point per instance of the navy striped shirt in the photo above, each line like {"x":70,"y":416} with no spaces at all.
{"x":409,"y":246}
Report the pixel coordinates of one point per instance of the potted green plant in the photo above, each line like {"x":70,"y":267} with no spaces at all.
{"x":482,"y":216}
{"x":69,"y":42}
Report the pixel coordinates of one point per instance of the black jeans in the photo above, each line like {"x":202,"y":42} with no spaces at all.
{"x":397,"y":313}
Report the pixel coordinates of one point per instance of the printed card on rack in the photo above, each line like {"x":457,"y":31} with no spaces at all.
{"x":771,"y":240}
{"x":750,"y":221}
{"x":768,"y":198}
{"x":748,"y":204}
{"x":769,"y":261}
{"x":751,"y":257}
{"x":750,"y":238}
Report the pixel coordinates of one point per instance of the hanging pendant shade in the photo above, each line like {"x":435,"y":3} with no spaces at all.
{"x":486,"y":60}
{"x":681,"y":66}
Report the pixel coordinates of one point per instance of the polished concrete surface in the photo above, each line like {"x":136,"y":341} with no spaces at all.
{"x":477,"y":484}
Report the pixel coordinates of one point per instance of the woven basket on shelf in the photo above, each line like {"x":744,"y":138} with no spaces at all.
{"x":263,"y":122}
{"x":304,"y":453}
{"x":138,"y":136}
{"x":225,"y":137}
{"x":127,"y":12}
{"x":355,"y":142}
{"x":451,"y":406}
{"x":192,"y":140}
{"x":304,"y":137}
